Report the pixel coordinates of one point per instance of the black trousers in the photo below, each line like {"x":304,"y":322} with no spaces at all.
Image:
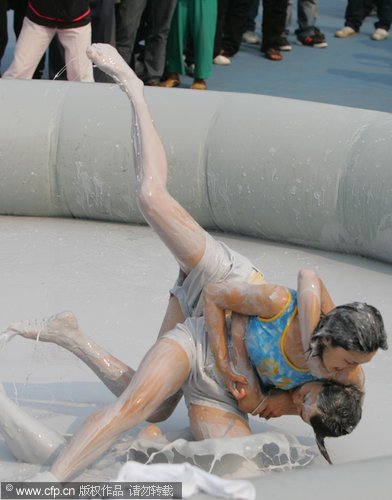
{"x":231,"y":24}
{"x":357,"y":10}
{"x":273,"y":23}
{"x":3,"y":27}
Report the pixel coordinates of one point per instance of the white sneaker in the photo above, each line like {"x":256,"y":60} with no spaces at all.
{"x":380,"y":34}
{"x":346,"y":32}
{"x":222,"y":60}
{"x":251,"y":37}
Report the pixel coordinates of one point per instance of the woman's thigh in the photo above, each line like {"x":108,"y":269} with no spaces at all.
{"x":208,"y":422}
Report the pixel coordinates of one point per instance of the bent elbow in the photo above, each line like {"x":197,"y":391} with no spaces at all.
{"x":307,"y":273}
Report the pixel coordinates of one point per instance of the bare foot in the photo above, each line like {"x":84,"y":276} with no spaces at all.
{"x":61,"y":329}
{"x":109,"y":61}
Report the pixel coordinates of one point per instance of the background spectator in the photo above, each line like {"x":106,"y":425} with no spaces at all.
{"x":19,"y":9}
{"x":250,"y":35}
{"x":199,"y":18}
{"x":307,"y":33}
{"x":273,"y":23}
{"x":44,"y":19}
{"x":3,"y":28}
{"x":357,"y":10}
{"x":129,"y":16}
{"x":152,"y":61}
{"x":102,"y":31}
{"x":231,"y":25}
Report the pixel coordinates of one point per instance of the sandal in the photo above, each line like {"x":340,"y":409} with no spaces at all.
{"x":199,"y":84}
{"x":273,"y":54}
{"x":172,"y":80}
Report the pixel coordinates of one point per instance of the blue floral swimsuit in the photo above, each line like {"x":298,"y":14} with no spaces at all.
{"x":264,"y":342}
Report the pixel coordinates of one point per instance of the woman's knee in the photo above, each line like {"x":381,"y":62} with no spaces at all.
{"x":151,"y":195}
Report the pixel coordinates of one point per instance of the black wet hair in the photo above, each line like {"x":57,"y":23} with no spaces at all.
{"x":339,"y":411}
{"x":355,"y":327}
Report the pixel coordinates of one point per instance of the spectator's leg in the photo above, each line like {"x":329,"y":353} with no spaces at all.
{"x":102,"y":29}
{"x":289,"y":17}
{"x":274,"y":18}
{"x":160,"y":16}
{"x":31,"y":45}
{"x":384,"y":12}
{"x":102,"y":14}
{"x":252,"y":14}
{"x":3,"y":27}
{"x":75,"y":42}
{"x":220,"y":22}
{"x":307,"y":15}
{"x":370,"y":7}
{"x":128,"y":17}
{"x":177,"y":39}
{"x":234,"y":27}
{"x":203,"y":25}
{"x":355,"y":13}
{"x":19,"y":14}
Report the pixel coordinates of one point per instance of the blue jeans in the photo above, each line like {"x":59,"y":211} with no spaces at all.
{"x":306,"y":15}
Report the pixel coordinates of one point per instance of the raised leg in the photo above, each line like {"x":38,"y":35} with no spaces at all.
{"x":184,"y":237}
{"x":28,"y":439}
{"x":154,"y":381}
{"x":63,"y":329}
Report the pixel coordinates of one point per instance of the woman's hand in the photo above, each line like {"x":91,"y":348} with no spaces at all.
{"x":275,"y":404}
{"x":235,"y":382}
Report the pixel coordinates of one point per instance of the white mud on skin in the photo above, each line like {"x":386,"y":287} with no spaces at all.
{"x":240,"y":457}
{"x":33,"y":442}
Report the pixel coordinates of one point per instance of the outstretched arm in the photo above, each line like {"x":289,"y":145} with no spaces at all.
{"x":253,"y":300}
{"x":250,"y":394}
{"x":251,"y":398}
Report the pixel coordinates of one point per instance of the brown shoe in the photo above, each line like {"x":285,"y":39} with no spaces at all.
{"x":199,"y":84}
{"x":172,"y":80}
{"x":273,"y":54}
{"x":152,"y":83}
